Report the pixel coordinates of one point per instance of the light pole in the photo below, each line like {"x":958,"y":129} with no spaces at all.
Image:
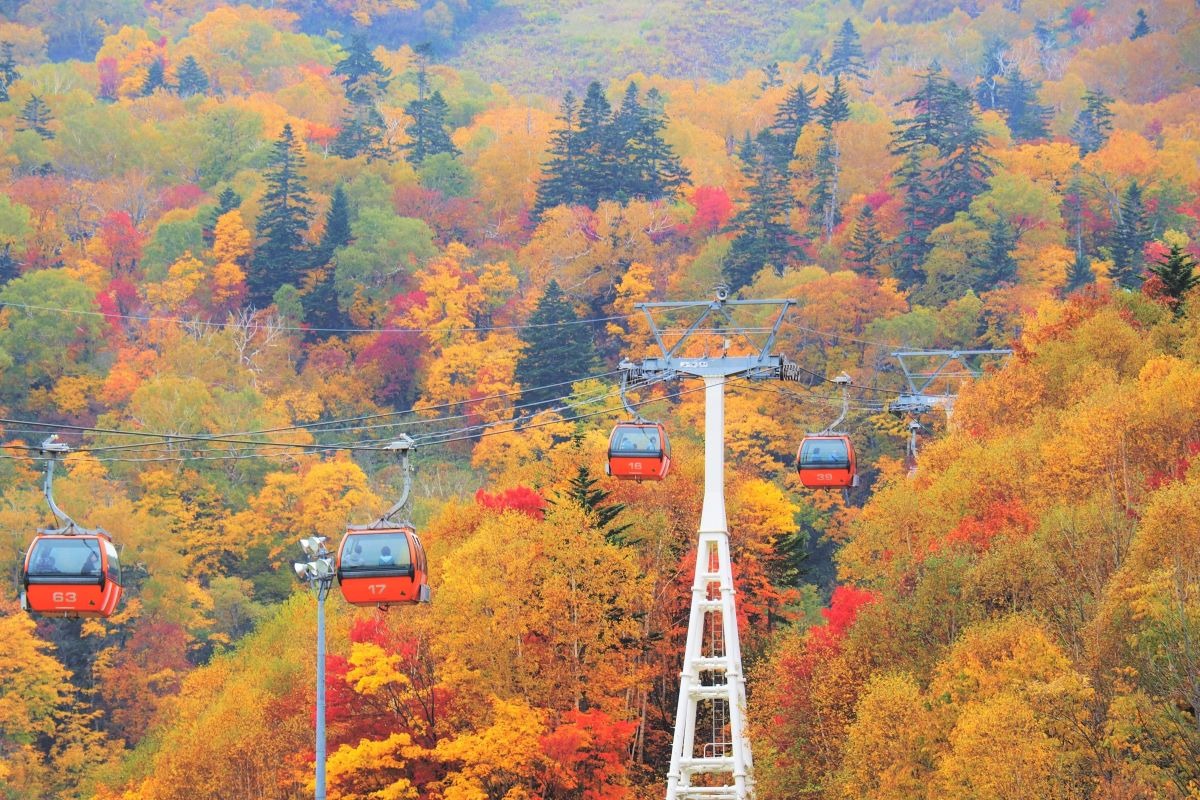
{"x":317,"y":572}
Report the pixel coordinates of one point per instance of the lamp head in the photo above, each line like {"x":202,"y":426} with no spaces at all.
{"x":301,"y":571}
{"x":312,"y":545}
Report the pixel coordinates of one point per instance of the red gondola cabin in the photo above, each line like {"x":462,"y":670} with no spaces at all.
{"x":827,"y":462}
{"x":382,"y":566}
{"x":71,"y":575}
{"x":639,"y":451}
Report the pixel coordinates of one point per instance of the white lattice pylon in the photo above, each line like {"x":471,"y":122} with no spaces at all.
{"x":724,"y":771}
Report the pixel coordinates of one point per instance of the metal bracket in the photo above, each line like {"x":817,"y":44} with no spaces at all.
{"x":402,"y":445}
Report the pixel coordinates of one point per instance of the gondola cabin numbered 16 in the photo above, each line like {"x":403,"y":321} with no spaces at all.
{"x":639,"y":451}
{"x":382,"y":567}
{"x":72,"y":575}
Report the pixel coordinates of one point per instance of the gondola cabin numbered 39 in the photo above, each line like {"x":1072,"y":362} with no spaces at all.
{"x":827,"y":462}
{"x":639,"y":451}
{"x":72,"y":575}
{"x":382,"y":566}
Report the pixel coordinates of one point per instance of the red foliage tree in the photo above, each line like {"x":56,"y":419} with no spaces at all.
{"x":518,"y":498}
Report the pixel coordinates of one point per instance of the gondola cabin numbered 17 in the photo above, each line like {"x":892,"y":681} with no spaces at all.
{"x":72,"y":575}
{"x":639,"y":451}
{"x":382,"y":567}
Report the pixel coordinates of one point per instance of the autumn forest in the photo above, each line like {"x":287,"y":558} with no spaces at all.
{"x":245,"y":249}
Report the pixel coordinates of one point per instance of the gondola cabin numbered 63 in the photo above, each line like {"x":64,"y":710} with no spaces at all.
{"x":382,"y":566}
{"x":72,"y":575}
{"x":639,"y":451}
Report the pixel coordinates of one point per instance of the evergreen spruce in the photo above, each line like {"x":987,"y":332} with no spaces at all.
{"x":1142,"y":27}
{"x":227,"y":201}
{"x":1094,"y":125}
{"x":964,"y":168}
{"x":836,"y":107}
{"x":643,"y":163}
{"x":659,"y":172}
{"x":555,"y":350}
{"x":156,"y":78}
{"x":588,"y":494}
{"x":35,"y":116}
{"x":560,"y":184}
{"x":793,"y":114}
{"x":191,"y":78}
{"x":866,"y":250}
{"x":10,"y":268}
{"x":282,"y":257}
{"x":944,"y":165}
{"x":1178,"y":275}
{"x":598,"y":148}
{"x":1129,"y":239}
{"x":916,"y":212}
{"x":628,"y":128}
{"x":320,"y":303}
{"x":599,"y":155}
{"x":827,"y":170}
{"x":363,"y":130}
{"x":364,"y":78}
{"x":998,"y":265}
{"x":428,"y":133}
{"x":763,"y":231}
{"x":771,"y":77}
{"x":1017,"y":101}
{"x":1079,"y":274}
{"x":8,"y":70}
{"x":847,"y":56}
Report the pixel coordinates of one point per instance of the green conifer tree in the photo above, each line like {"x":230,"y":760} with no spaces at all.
{"x":8,"y":70}
{"x":1129,"y":239}
{"x":1142,"y":27}
{"x":36,"y":116}
{"x":771,"y":76}
{"x":10,"y":267}
{"x":599,"y":148}
{"x":793,"y":114}
{"x":560,"y":184}
{"x":763,"y":232}
{"x":191,"y":78}
{"x":836,"y":107}
{"x":944,"y":165}
{"x":227,"y":201}
{"x":282,"y":256}
{"x":556,"y":349}
{"x":866,"y":251}
{"x":156,"y":78}
{"x":1094,"y":124}
{"x":365,"y":81}
{"x":428,"y":133}
{"x":1017,"y":101}
{"x":997,"y":265}
{"x":1079,"y":274}
{"x":1177,"y":271}
{"x":321,"y":309}
{"x":645,"y":165}
{"x":586,"y":492}
{"x":847,"y":56}
{"x":364,"y":78}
